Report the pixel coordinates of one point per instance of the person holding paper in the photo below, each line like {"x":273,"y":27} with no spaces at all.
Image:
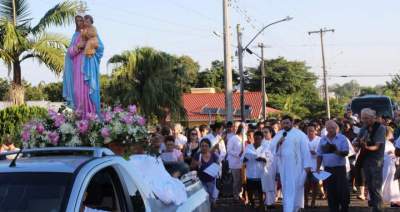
{"x":257,"y":159}
{"x":201,"y":162}
{"x":290,"y":147}
{"x":332,"y":151}
{"x":312,"y":183}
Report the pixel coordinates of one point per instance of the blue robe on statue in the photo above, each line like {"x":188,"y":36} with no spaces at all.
{"x":91,"y":71}
{"x":68,"y":78}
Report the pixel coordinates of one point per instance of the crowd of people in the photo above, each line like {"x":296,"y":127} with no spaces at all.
{"x":282,"y":159}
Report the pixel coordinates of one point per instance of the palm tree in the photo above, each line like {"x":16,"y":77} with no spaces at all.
{"x":146,"y":77}
{"x":19,"y":40}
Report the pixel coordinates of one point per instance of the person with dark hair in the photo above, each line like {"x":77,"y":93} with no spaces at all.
{"x":203,"y":131}
{"x":269,"y":181}
{"x":216,"y":137}
{"x":312,"y":184}
{"x":257,"y":158}
{"x":171,"y":154}
{"x":165,"y":131}
{"x":217,"y":140}
{"x":260,"y":126}
{"x":192,"y":146}
{"x":290,"y":147}
{"x":202,"y":161}
{"x":235,"y":151}
{"x":230,"y":130}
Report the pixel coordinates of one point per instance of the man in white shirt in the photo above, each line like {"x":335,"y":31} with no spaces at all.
{"x":257,"y":158}
{"x":180,"y":140}
{"x":290,"y":146}
{"x":235,"y":151}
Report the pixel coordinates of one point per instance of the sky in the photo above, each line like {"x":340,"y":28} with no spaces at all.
{"x":366,"y":40}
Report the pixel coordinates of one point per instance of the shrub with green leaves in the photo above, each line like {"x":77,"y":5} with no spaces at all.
{"x":13,"y":118}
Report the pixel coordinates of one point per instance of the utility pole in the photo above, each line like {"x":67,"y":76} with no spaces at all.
{"x":240,"y":60}
{"x":227,"y":62}
{"x":263,"y":77}
{"x":325,"y":86}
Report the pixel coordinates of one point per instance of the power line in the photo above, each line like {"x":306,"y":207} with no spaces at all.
{"x":194,"y":11}
{"x":153,"y":18}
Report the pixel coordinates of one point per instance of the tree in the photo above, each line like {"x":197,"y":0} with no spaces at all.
{"x":347,"y":90}
{"x":34,"y":93}
{"x":19,"y":40}
{"x":146,"y":77}
{"x":53,"y":92}
{"x":290,"y":86}
{"x":4,"y":87}
{"x":186,"y":71}
{"x":214,"y":76}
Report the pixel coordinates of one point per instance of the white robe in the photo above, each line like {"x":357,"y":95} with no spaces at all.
{"x":263,"y":152}
{"x":268,"y":181}
{"x":390,"y":187}
{"x":293,"y":157}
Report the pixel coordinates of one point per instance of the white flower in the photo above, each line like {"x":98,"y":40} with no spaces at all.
{"x":67,"y":128}
{"x":74,"y":141}
{"x":117,"y":128}
{"x":132,"y":130}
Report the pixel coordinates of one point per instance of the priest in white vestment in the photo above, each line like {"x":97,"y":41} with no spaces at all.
{"x":290,"y":146}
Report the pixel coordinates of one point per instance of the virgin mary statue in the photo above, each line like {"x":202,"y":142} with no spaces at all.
{"x":81,"y":87}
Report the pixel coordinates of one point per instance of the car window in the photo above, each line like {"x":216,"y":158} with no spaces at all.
{"x":103,"y":194}
{"x":25,"y":192}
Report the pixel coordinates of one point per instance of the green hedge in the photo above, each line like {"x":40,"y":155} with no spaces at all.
{"x":13,"y":118}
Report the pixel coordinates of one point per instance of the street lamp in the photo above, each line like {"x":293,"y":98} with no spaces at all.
{"x":240,"y":54}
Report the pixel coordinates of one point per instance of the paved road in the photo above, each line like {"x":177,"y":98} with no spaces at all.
{"x":227,"y":204}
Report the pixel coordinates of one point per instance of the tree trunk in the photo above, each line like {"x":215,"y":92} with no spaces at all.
{"x":17,"y":90}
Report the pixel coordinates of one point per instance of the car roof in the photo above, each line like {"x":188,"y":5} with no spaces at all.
{"x":57,"y":159}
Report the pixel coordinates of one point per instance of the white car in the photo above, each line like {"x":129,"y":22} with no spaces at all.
{"x":82,"y":179}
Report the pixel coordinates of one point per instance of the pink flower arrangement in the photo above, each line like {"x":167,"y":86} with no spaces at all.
{"x":40,"y":128}
{"x":118,"y":109}
{"x":141,"y":121}
{"x":92,"y":116}
{"x":105,"y":132}
{"x":83,"y":126}
{"x":25,"y":135}
{"x":128,"y":119}
{"x":132,"y":109}
{"x":68,"y":128}
{"x":58,"y":120}
{"x":54,"y":137}
{"x":107,"y":117}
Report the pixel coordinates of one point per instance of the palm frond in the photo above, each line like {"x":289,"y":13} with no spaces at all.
{"x":60,"y":15}
{"x":22,"y":11}
{"x":13,"y":40}
{"x":49,"y":49}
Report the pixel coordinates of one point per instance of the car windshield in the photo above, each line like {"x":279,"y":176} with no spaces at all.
{"x":45,"y":192}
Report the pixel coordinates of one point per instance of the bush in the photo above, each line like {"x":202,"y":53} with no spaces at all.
{"x":13,"y":118}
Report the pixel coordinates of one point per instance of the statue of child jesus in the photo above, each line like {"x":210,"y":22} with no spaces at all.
{"x":89,"y":41}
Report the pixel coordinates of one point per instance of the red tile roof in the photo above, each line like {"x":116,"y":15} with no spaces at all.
{"x":195,"y":102}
